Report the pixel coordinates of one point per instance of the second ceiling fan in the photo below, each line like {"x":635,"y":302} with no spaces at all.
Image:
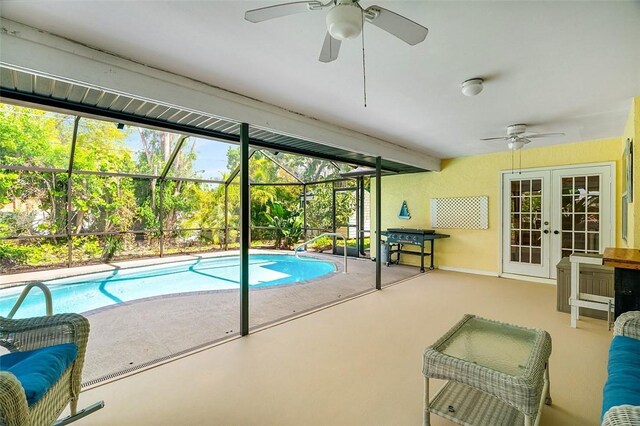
{"x":345,"y":20}
{"x":516,"y":138}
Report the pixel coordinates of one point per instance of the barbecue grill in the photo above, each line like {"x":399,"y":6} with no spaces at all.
{"x":396,"y":238}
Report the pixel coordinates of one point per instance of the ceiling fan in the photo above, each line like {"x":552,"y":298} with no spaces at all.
{"x":516,"y":137}
{"x":345,"y":20}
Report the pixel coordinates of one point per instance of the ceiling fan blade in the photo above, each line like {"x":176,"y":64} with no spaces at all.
{"x":403,"y":28}
{"x":495,"y":139}
{"x":330,"y":49}
{"x":279,"y":10}
{"x":543,"y":135}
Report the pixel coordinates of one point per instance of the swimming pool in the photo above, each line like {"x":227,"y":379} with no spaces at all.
{"x":84,"y":293}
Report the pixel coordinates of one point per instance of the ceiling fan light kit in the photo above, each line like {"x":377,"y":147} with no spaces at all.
{"x":516,"y":138}
{"x":472,"y":86}
{"x":517,"y":144}
{"x":344,"y":21}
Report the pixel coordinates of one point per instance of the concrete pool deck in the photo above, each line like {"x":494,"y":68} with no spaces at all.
{"x":133,"y":335}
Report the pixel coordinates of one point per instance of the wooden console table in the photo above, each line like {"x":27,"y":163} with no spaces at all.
{"x":626,"y":279}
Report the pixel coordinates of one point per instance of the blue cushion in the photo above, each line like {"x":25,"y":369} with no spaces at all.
{"x":623,"y":381}
{"x":39,"y":369}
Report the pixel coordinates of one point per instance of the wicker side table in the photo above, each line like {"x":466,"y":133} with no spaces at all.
{"x":497,"y":373}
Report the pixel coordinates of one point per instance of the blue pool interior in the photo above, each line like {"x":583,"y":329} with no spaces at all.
{"x":84,"y":293}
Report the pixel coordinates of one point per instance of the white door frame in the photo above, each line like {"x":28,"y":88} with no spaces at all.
{"x":518,"y":268}
{"x":612,"y":222}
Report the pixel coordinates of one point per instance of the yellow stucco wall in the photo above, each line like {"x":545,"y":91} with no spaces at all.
{"x":480,"y":175}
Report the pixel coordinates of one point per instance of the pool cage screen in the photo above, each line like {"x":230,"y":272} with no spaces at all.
{"x":75,"y":189}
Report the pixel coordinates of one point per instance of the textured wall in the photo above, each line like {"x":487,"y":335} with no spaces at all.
{"x":478,"y":250}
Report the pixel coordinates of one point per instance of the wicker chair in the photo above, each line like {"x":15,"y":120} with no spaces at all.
{"x":627,"y":324}
{"x":32,"y":333}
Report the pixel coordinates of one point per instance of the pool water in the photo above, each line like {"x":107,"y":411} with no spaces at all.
{"x":84,"y":293}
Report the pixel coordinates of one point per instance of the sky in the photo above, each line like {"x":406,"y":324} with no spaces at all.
{"x":211,"y":156}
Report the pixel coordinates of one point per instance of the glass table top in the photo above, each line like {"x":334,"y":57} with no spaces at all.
{"x":497,"y":346}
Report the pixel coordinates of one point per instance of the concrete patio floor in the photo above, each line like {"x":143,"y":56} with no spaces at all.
{"x":132,"y":335}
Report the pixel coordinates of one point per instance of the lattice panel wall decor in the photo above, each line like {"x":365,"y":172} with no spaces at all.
{"x":460,"y":212}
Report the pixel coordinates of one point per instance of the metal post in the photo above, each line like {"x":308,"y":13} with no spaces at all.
{"x":358,"y":222}
{"x":161,"y":216}
{"x":362,"y":221}
{"x":304,"y":212}
{"x":378,"y":224}
{"x":69,"y":214}
{"x":333,"y":209}
{"x":226,"y":217}
{"x":245,"y":206}
{"x":76,"y":122}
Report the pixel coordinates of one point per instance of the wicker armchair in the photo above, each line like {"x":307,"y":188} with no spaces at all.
{"x":32,"y":333}
{"x":627,"y":324}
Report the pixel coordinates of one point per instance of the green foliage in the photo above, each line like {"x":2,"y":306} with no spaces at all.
{"x":287,"y":224}
{"x":319,"y":209}
{"x":147,"y":218}
{"x":100,"y":146}
{"x":11,"y":254}
{"x":352,"y":242}
{"x":87,"y":247}
{"x":322,"y":244}
{"x":30,"y":137}
{"x":310,"y":169}
{"x":33,"y":253}
{"x":45,"y":252}
{"x":112,"y":245}
{"x":35,"y":203}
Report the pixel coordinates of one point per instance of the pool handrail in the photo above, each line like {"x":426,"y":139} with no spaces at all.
{"x":326,"y":234}
{"x":23,"y":295}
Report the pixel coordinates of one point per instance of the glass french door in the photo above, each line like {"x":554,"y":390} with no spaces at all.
{"x":526,"y":223}
{"x":549,"y":214}
{"x":583,"y":217}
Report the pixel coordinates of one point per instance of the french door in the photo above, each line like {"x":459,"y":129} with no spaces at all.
{"x":549,"y":214}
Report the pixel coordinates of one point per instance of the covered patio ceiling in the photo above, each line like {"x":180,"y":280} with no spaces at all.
{"x":567,"y":67}
{"x":28,"y":88}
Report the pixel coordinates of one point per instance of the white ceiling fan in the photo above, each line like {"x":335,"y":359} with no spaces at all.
{"x":516,"y":137}
{"x":345,"y":20}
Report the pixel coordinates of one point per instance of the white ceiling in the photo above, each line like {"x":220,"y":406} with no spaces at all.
{"x":565,"y":66}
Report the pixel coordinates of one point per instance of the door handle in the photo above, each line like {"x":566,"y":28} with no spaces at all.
{"x":546,"y":231}
{"x":556,"y":232}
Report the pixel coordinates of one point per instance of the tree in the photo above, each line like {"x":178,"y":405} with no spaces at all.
{"x":320,"y":208}
{"x":102,"y":203}
{"x":33,"y":138}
